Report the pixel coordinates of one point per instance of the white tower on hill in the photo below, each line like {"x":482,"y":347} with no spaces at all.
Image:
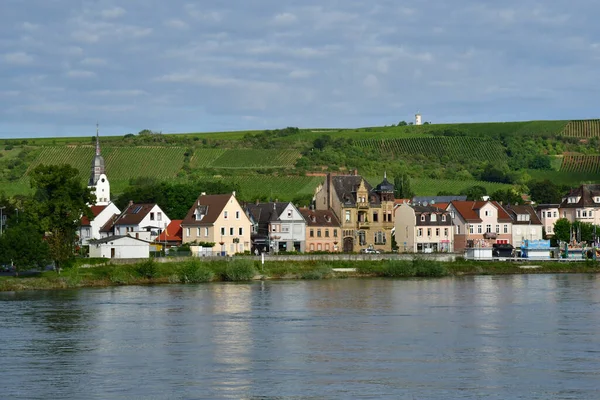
{"x":418,"y":120}
{"x":98,"y":181}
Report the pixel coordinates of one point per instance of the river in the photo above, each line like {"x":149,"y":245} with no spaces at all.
{"x":506,"y":337}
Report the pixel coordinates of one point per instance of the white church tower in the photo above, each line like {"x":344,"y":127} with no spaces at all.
{"x":418,"y":119}
{"x":98,"y":180}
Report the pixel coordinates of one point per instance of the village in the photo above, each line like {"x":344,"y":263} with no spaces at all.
{"x":347,"y":215}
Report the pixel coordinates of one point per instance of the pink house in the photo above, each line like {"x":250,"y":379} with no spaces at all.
{"x":479,"y":224}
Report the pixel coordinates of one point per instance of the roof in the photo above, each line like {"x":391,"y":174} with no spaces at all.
{"x":385,"y":186}
{"x":586,"y":194}
{"x":324,"y":218}
{"x":107,"y":227}
{"x":546,"y":206}
{"x":210,"y":206}
{"x":263,"y":213}
{"x":85,"y":221}
{"x":469,"y":210}
{"x":113,"y":238}
{"x":437,"y":199}
{"x":173,"y":233}
{"x":134,"y":213}
{"x":346,"y":185}
{"x":514,"y":210}
{"x":428,"y":210}
{"x":401,"y":201}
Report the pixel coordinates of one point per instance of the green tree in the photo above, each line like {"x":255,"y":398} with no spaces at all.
{"x":474,"y":192}
{"x":540,"y":161}
{"x":545,"y":192}
{"x":508,"y":196}
{"x":59,"y":202}
{"x":23,"y":246}
{"x":583,"y":231}
{"x":562,"y":230}
{"x":402,"y":188}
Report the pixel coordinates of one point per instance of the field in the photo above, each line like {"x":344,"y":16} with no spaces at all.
{"x":582,"y":128}
{"x":454,"y":148}
{"x":256,"y":158}
{"x":580,"y":163}
{"x":431,"y":187}
{"x":572,"y":179}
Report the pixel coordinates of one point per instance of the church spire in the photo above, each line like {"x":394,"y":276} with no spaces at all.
{"x":97,"y":141}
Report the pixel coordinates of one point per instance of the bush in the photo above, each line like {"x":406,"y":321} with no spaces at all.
{"x":428,"y":268}
{"x":319,"y":272}
{"x":240,"y":270}
{"x":398,"y":269}
{"x":119,"y":276}
{"x":194,"y":271}
{"x":147,"y":269}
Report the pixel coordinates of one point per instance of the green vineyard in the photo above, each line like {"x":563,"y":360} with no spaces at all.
{"x":582,"y":129}
{"x":203,"y":158}
{"x":250,"y":158}
{"x":580,"y":163}
{"x":454,"y":148}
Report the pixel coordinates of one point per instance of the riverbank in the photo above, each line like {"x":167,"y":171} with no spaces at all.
{"x":240,"y":270}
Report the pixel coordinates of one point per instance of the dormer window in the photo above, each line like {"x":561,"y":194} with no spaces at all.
{"x":443,"y":217}
{"x":597,"y":199}
{"x":433,"y":218}
{"x":573,"y":200}
{"x":522,"y":217}
{"x":422,"y":217}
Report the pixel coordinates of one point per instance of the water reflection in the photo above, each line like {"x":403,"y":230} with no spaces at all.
{"x":530,"y":336}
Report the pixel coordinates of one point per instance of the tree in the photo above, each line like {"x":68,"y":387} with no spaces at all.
{"x":540,"y":161}
{"x":22,"y":245}
{"x":492,"y":173}
{"x":474,"y":192}
{"x":562,"y":230}
{"x":59,"y":202}
{"x":583,"y":231}
{"x":402,"y":123}
{"x":545,"y":192}
{"x":508,"y":196}
{"x":402,"y":188}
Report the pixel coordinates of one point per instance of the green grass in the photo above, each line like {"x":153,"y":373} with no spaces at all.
{"x":572,"y":179}
{"x":256,"y":158}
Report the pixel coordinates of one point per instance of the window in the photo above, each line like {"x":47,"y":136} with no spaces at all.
{"x":554,"y":214}
{"x":312,"y":247}
{"x":197,"y":231}
{"x":205,"y":232}
{"x":231,"y":230}
{"x":289,"y":213}
{"x":240,"y":231}
{"x":478,"y":228}
{"x":237,"y":215}
{"x":225,"y":214}
{"x":428,"y":231}
{"x":470,"y":228}
{"x":187,"y":232}
{"x":362,"y":238}
{"x":584,"y":214}
{"x":422,"y":217}
{"x":437,"y":231}
{"x":151,"y":216}
{"x":326,"y":232}
{"x":312,"y":233}
{"x":458,"y":229}
{"x":445,"y":232}
{"x":578,"y":214}
{"x":318,"y":233}
{"x":420,"y":232}
{"x":497,"y":228}
{"x":335,"y":233}
{"x":543,"y":214}
{"x":159,"y":216}
{"x":326,"y":246}
{"x":433,"y":218}
{"x":505,"y":228}
{"x":488,"y":228}
{"x":487,"y":213}
{"x":443,"y":217}
{"x":319,"y":247}
{"x":375,"y":216}
{"x":347,"y":215}
{"x":222,"y":231}
{"x":591,"y":213}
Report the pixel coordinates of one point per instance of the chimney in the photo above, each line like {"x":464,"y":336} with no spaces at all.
{"x":355,"y":172}
{"x":130,"y":203}
{"x":234,"y":193}
{"x":204,"y":194}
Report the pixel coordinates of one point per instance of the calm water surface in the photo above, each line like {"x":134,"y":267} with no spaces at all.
{"x":530,"y":337}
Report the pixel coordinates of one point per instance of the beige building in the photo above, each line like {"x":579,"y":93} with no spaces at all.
{"x":423,"y":229}
{"x":582,"y":204}
{"x":323,"y":232}
{"x":218,"y":219}
{"x":525,"y":224}
{"x":366,"y":214}
{"x":548,"y":215}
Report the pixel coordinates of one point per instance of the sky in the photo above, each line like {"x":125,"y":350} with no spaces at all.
{"x":207,"y":65}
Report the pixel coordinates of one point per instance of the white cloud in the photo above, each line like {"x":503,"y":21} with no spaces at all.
{"x":18,"y":58}
{"x":301,"y":74}
{"x":285,"y":18}
{"x":28,"y":26}
{"x":93,"y":62}
{"x":114,"y":12}
{"x":119,"y":93}
{"x":78,"y":73}
{"x":175,"y":23}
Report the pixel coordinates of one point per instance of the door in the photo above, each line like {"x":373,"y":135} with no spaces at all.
{"x":348,"y":245}
{"x":112,"y":252}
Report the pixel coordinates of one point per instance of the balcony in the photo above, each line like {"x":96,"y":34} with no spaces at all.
{"x":362,"y":204}
{"x":363,"y":225}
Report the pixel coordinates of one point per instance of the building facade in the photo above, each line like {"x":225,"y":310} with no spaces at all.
{"x":525,"y":224}
{"x":98,"y":182}
{"x":366,"y":214}
{"x":548,"y":215}
{"x":423,"y":229}
{"x":277,"y":227}
{"x":479,"y":224}
{"x":323,"y":231}
{"x":582,"y":204}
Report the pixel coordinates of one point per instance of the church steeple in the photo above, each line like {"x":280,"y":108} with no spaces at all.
{"x":97,"y":141}
{"x":97,"y":162}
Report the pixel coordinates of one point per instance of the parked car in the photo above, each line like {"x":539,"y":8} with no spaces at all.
{"x":370,"y":250}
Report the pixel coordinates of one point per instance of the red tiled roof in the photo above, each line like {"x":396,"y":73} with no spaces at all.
{"x":443,"y":206}
{"x":173,"y":233}
{"x":85,"y":221}
{"x":401,"y":201}
{"x":469,"y":210}
{"x":107,"y":227}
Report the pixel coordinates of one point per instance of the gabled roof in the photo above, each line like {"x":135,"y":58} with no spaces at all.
{"x":173,"y":233}
{"x":108,"y":226}
{"x":263,"y":213}
{"x":469,"y":210}
{"x":346,"y":185}
{"x":114,"y":238}
{"x":134,"y":213}
{"x":586,"y":194}
{"x":85,"y":221}
{"x":514,"y":210}
{"x":324,"y":218}
{"x":211,"y":205}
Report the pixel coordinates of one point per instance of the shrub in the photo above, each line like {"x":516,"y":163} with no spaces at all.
{"x":147,"y":269}
{"x":119,"y":276}
{"x":429,"y":268}
{"x":319,"y":272}
{"x":240,"y":270}
{"x":398,"y":269}
{"x":194,"y":271}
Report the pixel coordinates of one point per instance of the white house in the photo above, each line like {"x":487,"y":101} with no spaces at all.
{"x":142,"y":221}
{"x":282,"y":224}
{"x":526,"y":224}
{"x":90,"y":229}
{"x":119,"y":247}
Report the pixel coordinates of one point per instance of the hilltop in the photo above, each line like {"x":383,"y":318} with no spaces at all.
{"x":289,"y":163}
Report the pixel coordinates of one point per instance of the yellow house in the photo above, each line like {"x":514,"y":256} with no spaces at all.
{"x":217,"y":219}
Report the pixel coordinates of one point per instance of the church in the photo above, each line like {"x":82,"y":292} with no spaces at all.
{"x":98,"y":180}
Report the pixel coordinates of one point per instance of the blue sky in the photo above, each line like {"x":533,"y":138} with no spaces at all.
{"x":181,"y":66}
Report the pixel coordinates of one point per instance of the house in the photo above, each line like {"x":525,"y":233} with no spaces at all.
{"x":423,"y":229}
{"x":90,"y":228}
{"x":548,"y":215}
{"x":278,"y":226}
{"x":525,"y":224}
{"x":122,"y":246}
{"x":143,"y":221}
{"x":366,"y":214}
{"x":171,"y":236}
{"x":323,"y":231}
{"x":220,"y":220}
{"x":582,"y":204}
{"x":479,"y":224}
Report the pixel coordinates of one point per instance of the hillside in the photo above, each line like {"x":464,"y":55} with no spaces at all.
{"x":286,"y":163}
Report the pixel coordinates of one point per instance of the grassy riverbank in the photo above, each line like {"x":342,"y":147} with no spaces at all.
{"x":240,"y":270}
